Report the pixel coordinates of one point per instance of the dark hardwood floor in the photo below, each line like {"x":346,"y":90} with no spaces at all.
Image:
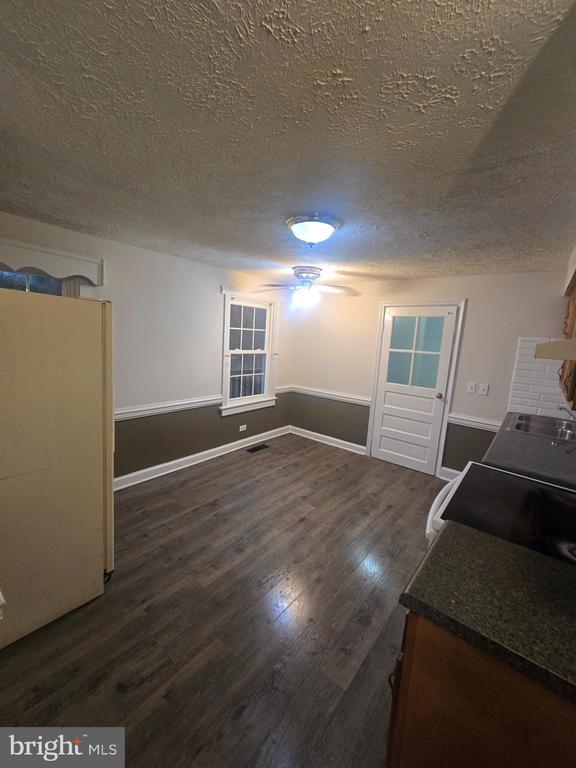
{"x":252,"y":619}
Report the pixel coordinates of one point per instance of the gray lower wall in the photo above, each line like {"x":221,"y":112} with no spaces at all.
{"x":346,"y":421}
{"x":464,"y":444}
{"x":152,"y":440}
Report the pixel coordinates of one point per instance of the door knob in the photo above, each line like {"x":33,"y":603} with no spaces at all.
{"x":439,"y":395}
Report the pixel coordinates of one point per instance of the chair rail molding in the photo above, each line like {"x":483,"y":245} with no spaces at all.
{"x":153,"y":409}
{"x":314,"y":392}
{"x":476,"y":422}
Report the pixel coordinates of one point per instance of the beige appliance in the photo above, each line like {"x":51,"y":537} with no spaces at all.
{"x":56,"y":450}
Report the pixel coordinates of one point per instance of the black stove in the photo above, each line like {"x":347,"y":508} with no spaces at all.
{"x":520,"y":509}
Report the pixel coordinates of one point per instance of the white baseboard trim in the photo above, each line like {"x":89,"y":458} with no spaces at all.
{"x":333,"y":441}
{"x":445,"y":473}
{"x":149,"y":473}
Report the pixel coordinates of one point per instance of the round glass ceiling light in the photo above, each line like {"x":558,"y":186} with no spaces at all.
{"x":312,"y":228}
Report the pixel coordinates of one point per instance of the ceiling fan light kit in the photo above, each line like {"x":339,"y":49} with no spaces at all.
{"x":305,"y":294}
{"x":307,"y":273}
{"x":312,"y":228}
{"x":306,"y":284}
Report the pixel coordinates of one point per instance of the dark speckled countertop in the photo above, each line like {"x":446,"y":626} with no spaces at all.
{"x":514,"y":602}
{"x":533,"y":455}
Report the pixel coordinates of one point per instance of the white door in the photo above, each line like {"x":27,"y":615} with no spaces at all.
{"x":414,"y":368}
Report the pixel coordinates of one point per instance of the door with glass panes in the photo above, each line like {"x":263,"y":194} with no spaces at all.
{"x":414,"y":367}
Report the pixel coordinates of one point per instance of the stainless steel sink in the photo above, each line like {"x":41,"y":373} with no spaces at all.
{"x":544,"y":426}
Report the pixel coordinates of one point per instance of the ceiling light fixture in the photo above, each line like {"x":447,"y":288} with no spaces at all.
{"x":305,"y":296}
{"x":312,"y":228}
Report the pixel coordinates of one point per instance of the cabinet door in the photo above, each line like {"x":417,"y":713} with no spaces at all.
{"x":399,"y":693}
{"x":460,"y":706}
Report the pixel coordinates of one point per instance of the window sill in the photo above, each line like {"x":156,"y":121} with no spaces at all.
{"x":231,"y":409}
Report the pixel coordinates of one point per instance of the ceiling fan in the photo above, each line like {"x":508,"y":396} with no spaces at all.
{"x":306,"y":281}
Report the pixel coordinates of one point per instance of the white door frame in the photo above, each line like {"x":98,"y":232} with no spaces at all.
{"x":454,"y":355}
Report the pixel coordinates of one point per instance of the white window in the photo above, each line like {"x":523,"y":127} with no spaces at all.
{"x":248,"y":366}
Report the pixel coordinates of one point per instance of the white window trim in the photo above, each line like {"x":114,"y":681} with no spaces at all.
{"x":234,"y":405}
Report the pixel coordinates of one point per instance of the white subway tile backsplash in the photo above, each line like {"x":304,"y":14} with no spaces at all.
{"x":535,"y":385}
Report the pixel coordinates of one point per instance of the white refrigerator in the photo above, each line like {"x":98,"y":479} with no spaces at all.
{"x":56,"y":457}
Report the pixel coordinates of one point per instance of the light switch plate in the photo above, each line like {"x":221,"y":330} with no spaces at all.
{"x":483,"y":389}
{"x":471,"y":388}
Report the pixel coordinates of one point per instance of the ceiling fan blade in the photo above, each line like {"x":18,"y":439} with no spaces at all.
{"x":343,"y":290}
{"x":357,"y":275}
{"x":275,"y":287}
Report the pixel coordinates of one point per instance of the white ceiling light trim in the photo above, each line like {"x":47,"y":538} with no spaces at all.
{"x":312,"y":228}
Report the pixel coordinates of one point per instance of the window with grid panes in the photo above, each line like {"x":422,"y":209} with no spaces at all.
{"x":248,"y":352}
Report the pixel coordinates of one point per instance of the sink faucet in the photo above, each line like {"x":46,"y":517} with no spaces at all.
{"x":568,"y":411}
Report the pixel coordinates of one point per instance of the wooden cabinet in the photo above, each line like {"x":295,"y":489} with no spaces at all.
{"x":456,"y":705}
{"x":568,"y":370}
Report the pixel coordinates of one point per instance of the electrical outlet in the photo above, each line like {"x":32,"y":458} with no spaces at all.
{"x":471,"y":388}
{"x":242,"y":428}
{"x":483,"y":389}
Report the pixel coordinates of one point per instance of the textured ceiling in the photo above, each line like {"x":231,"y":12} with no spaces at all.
{"x":442,"y":132}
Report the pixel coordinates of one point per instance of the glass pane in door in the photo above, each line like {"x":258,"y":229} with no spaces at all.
{"x":399,"y":367}
{"x":403,"y":332}
{"x":425,"y":370}
{"x":429,"y":336}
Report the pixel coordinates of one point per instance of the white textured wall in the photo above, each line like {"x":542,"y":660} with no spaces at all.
{"x":168,"y":313}
{"x":333,"y":345}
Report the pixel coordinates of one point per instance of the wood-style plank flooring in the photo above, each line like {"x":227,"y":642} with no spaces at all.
{"x":252,"y":619}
